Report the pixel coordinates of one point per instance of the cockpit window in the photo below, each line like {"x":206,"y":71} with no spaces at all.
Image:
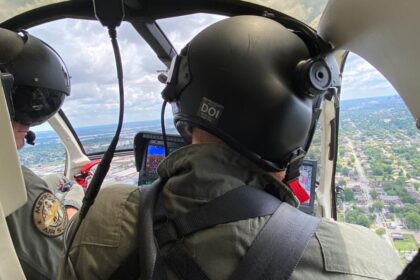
{"x":180,"y":30}
{"x":47,"y":156}
{"x":378,"y":159}
{"x":92,"y":107}
{"x":93,"y":104}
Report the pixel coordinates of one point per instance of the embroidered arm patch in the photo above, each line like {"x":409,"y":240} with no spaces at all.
{"x":49,"y":215}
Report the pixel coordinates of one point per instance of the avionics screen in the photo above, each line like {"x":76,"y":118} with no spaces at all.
{"x":306,"y":178}
{"x":155,"y":154}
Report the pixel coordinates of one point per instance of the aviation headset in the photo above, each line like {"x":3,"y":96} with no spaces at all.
{"x":251,"y":82}
{"x":34,"y":77}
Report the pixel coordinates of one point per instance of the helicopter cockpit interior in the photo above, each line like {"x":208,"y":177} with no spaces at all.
{"x":382,"y":32}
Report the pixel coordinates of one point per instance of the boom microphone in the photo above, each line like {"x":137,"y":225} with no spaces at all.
{"x":30,"y":137}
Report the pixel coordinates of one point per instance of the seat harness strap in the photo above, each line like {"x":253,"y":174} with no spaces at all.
{"x":276,"y":251}
{"x":266,"y":259}
{"x":273,"y":255}
{"x":239,"y":204}
{"x":141,"y":263}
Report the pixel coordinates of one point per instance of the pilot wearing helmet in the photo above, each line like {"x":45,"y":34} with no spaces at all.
{"x":238,"y":97}
{"x":35,"y":82}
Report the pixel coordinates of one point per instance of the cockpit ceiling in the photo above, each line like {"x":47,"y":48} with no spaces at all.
{"x":11,"y":8}
{"x":384,"y":34}
{"x":308,"y":11}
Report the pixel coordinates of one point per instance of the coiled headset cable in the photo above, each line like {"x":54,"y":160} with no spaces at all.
{"x":110,"y":14}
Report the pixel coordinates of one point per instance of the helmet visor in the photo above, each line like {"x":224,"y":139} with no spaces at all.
{"x":34,"y":105}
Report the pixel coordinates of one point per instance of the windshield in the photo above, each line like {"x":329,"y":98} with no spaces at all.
{"x":93,"y":105}
{"x":308,"y":11}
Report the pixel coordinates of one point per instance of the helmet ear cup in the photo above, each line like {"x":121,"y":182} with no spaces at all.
{"x":177,"y":78}
{"x":169,"y":93}
{"x":313,"y":76}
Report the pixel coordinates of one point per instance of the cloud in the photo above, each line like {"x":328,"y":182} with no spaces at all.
{"x":180,"y":30}
{"x":361,"y":80}
{"x":87,"y":52}
{"x":86,"y":49}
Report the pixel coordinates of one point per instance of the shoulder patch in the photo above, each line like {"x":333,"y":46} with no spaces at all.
{"x":49,"y":215}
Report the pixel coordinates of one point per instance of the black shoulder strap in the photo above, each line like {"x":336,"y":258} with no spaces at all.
{"x":183,"y":264}
{"x":275,"y":252}
{"x":241,"y":203}
{"x":266,"y":259}
{"x":128,"y":269}
{"x":278,"y":247}
{"x":134,"y":266}
{"x":146,"y":241}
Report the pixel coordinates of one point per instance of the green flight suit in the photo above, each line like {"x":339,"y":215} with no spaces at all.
{"x":197,"y":174}
{"x":37,"y":227}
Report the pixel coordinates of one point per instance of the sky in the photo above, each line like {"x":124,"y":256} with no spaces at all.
{"x":87,"y":52}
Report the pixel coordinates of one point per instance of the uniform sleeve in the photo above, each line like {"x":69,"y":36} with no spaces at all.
{"x":106,"y":236}
{"x":72,"y":197}
{"x":37,"y":229}
{"x":339,"y":250}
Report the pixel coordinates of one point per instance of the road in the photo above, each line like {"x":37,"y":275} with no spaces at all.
{"x":363,"y":182}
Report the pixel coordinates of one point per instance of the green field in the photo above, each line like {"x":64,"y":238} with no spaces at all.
{"x":408,"y":244}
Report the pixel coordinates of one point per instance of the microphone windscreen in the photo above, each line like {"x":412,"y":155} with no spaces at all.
{"x":30,"y":137}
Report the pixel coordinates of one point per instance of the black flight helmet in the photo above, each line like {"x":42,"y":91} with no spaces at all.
{"x":237,"y":80}
{"x":35,"y":78}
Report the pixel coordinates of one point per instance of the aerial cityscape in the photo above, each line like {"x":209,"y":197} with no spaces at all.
{"x":377,"y":173}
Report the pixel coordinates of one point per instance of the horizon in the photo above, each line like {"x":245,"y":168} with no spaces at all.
{"x":169,"y":119}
